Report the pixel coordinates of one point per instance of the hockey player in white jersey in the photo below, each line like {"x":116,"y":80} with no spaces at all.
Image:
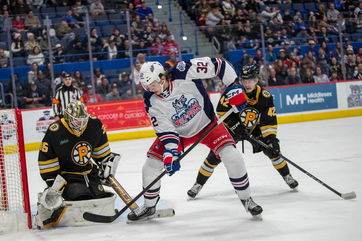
{"x":180,"y":112}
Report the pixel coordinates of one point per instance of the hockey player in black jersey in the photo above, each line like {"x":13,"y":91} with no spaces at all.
{"x":257,"y":119}
{"x":74,"y":160}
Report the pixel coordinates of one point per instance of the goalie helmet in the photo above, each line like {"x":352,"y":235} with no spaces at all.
{"x":249,"y":71}
{"x":150,"y":72}
{"x":76,"y":116}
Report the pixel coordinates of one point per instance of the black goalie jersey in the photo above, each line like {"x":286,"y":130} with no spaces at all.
{"x":259,"y":117}
{"x":63,"y":152}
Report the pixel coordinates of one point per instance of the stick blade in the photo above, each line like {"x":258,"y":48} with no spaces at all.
{"x":350,"y":195}
{"x":100,"y":218}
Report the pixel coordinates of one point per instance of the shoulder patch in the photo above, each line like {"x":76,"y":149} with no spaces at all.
{"x":181,"y":66}
{"x":266,"y":93}
{"x":54,"y":127}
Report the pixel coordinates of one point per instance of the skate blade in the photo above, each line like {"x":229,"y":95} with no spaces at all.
{"x":190,"y":198}
{"x":160,"y":213}
{"x":257,"y":217}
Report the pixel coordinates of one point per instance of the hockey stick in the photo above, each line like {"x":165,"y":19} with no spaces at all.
{"x":126,"y":198}
{"x":108,"y":219}
{"x":346,"y":196}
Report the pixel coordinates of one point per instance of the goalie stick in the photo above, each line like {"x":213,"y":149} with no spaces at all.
{"x":126,"y":198}
{"x":346,"y":196}
{"x":108,"y":219}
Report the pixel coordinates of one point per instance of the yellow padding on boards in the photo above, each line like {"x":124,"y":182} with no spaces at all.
{"x":281,"y":120}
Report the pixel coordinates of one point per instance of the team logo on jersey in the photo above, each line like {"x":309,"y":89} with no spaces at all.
{"x":81,"y":153}
{"x":266,"y":93}
{"x":185,"y":110}
{"x":249,"y":117}
{"x":181,"y":66}
{"x":44,"y":121}
{"x":54,"y":127}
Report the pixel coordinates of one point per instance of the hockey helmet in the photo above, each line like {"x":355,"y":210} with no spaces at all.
{"x":76,"y":116}
{"x":150,"y":72}
{"x":249,"y":71}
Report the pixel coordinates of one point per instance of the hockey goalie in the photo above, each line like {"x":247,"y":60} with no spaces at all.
{"x":75,"y":161}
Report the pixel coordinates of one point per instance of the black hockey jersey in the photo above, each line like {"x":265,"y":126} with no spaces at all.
{"x":63,"y":152}
{"x":259,"y":116}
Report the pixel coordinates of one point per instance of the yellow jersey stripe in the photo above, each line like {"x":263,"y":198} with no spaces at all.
{"x":53,"y":169}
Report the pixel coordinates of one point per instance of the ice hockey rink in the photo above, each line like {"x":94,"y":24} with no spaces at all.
{"x":329,"y":149}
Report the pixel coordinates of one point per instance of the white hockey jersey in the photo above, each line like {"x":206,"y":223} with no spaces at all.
{"x":184,"y":109}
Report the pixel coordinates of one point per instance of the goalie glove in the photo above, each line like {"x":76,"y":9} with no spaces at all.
{"x":108,"y":166}
{"x":169,"y":161}
{"x":51,"y":197}
{"x":237,"y":97}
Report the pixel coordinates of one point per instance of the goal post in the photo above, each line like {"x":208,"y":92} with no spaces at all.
{"x":15,"y":213}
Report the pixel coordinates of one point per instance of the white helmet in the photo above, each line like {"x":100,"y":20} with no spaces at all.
{"x":149,"y":72}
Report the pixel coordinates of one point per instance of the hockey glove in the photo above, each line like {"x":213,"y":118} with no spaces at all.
{"x":169,"y":161}
{"x":274,"y":150}
{"x":108,"y":166}
{"x":237,"y":97}
{"x":51,"y":197}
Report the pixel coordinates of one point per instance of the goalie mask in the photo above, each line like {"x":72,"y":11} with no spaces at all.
{"x":76,"y":116}
{"x":151,"y":72}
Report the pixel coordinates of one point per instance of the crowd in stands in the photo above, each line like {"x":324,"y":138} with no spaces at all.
{"x":301,"y":38}
{"x":69,"y":42}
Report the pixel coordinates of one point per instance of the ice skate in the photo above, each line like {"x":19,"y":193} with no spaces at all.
{"x":192,"y":193}
{"x":142,"y":213}
{"x":254,"y":209}
{"x":291,"y":182}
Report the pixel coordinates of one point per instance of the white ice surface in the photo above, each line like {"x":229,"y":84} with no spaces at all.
{"x":331,"y":150}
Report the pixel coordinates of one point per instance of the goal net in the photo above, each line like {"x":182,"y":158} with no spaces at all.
{"x":14,"y":195}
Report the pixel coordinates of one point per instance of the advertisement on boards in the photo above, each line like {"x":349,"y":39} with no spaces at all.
{"x":354,"y":94}
{"x":305,"y":98}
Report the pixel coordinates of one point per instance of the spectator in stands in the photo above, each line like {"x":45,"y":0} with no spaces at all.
{"x":65,"y":34}
{"x":90,"y":96}
{"x":114,"y":94}
{"x":270,"y":55}
{"x":104,"y":88}
{"x":214,"y":17}
{"x":36,"y":56}
{"x":44,"y":85}
{"x":127,"y":95}
{"x":98,"y":76}
{"x":319,"y":77}
{"x":19,"y":90}
{"x":32,"y":23}
{"x":35,"y":4}
{"x":4,"y":58}
{"x":33,"y":73}
{"x":112,"y":50}
{"x":350,"y":67}
{"x":34,"y":97}
{"x":137,"y":23}
{"x":96,"y":8}
{"x":58,"y":54}
{"x":228,"y":7}
{"x":71,"y":20}
{"x":170,"y":46}
{"x":268,"y":14}
{"x":124,"y":83}
{"x":144,"y":10}
{"x":293,"y":77}
{"x":78,"y":78}
{"x":308,"y":61}
{"x":31,"y":43}
{"x":157,"y":47}
{"x":135,"y":74}
{"x":335,"y":66}
{"x":274,"y":79}
{"x":141,"y":47}
{"x":82,"y":9}
{"x":18,"y":23}
{"x":79,"y":52}
{"x":334,"y":76}
{"x":19,"y":7}
{"x":332,"y":13}
{"x":307,"y":77}
{"x":43,"y":42}
{"x":96,"y":40}
{"x":337,"y":52}
{"x":281,"y":69}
